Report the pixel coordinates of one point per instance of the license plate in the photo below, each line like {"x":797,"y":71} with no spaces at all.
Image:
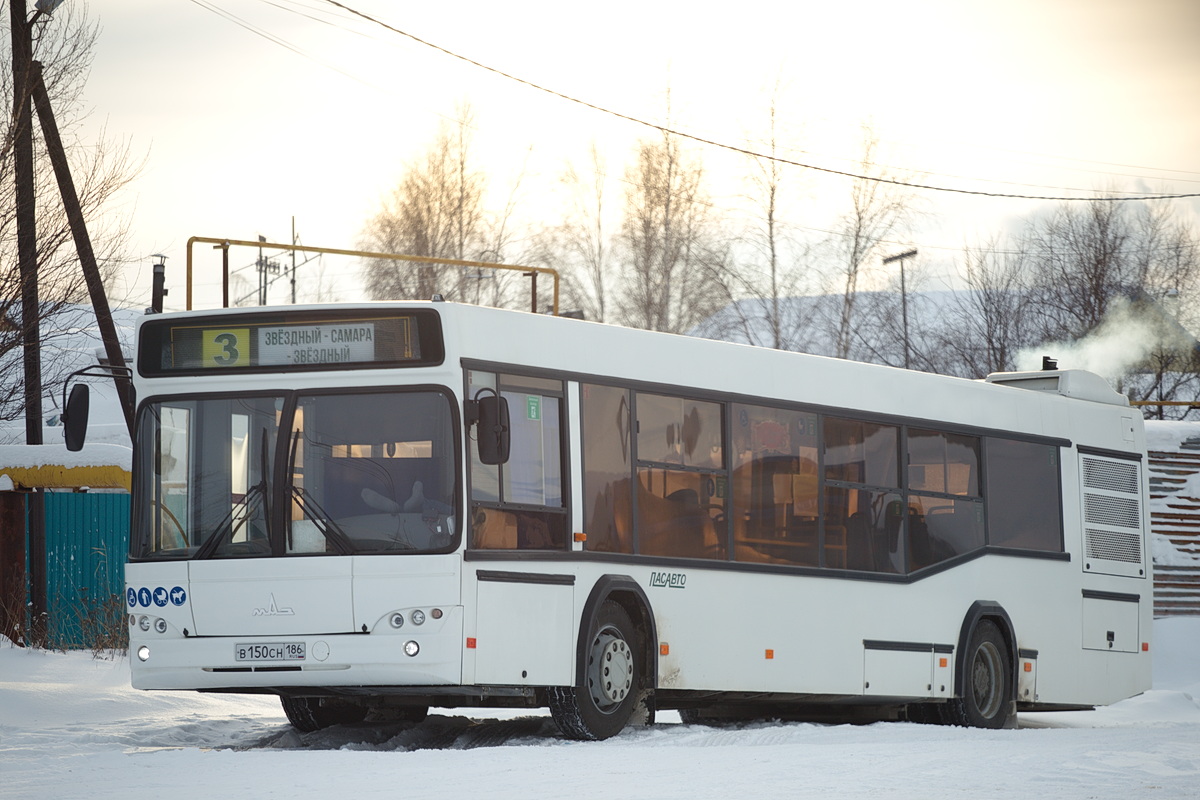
{"x":269,"y":651}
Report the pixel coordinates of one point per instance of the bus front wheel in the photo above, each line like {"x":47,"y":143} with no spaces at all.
{"x":986,"y":700}
{"x":309,"y":714}
{"x":612,"y":679}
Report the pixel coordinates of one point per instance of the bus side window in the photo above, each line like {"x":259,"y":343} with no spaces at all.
{"x":775,"y":486}
{"x":607,"y":475}
{"x":519,"y":504}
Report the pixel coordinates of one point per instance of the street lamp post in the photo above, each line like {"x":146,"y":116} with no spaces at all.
{"x":903,"y":298}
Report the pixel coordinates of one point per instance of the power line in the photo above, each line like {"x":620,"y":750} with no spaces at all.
{"x":735,"y":148}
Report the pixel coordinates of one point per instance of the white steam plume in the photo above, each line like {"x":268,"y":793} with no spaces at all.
{"x":1122,"y":340}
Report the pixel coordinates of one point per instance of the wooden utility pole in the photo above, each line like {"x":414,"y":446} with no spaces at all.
{"x":22,"y":144}
{"x":83,"y":243}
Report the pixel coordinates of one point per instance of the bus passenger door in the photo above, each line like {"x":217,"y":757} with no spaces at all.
{"x":524,"y":619}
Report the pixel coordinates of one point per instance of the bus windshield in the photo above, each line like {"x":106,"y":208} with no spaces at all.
{"x":286,"y":474}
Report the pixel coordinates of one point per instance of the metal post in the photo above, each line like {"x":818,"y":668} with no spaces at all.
{"x":533,"y":291}
{"x":293,"y":262}
{"x":903,"y":300}
{"x":224,"y":248}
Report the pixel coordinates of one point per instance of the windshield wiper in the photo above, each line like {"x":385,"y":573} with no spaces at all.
{"x":228,"y":527}
{"x":332,"y":532}
{"x":324,"y":523}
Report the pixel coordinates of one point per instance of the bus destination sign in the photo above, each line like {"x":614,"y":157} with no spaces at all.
{"x":317,"y":344}
{"x":298,"y":341}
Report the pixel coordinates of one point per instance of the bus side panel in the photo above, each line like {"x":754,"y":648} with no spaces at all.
{"x":524,"y":632}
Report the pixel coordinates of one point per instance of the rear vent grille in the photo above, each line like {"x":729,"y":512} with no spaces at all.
{"x":1114,"y":546}
{"x":1112,"y":476}
{"x":1112,"y":513}
{"x":1122,"y":512}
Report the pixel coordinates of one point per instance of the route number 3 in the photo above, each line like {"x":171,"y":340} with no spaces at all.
{"x":226,"y":348}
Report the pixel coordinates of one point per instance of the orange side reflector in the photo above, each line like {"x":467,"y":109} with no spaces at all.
{"x":942,"y":662}
{"x":1145,"y":647}
{"x":470,"y":642}
{"x":664,"y":649}
{"x":1029,"y":666}
{"x":580,"y":537}
{"x":770,"y":654}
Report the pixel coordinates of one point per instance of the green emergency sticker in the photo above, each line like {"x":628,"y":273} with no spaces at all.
{"x":533,"y":406}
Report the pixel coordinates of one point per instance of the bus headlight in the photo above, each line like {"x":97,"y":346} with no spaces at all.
{"x":397,"y":620}
{"x":144,"y":623}
{"x":411,"y":648}
{"x":160,"y":625}
{"x":143,"y":653}
{"x":418,"y":617}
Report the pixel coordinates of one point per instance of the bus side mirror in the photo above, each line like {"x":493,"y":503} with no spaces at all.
{"x":494,"y":436}
{"x":75,"y":417}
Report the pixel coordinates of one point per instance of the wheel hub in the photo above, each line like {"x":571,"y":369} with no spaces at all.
{"x":610,"y":670}
{"x":985,"y":679}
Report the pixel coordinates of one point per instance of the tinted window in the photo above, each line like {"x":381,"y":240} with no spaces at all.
{"x":676,"y":430}
{"x":943,"y":462}
{"x":941,"y":528}
{"x":1023,"y":495}
{"x":607,"y":469}
{"x":678,"y":514}
{"x":864,"y":530}
{"x":861,"y":452}
{"x":776,"y":492}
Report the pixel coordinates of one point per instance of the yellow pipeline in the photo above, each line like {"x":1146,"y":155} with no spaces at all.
{"x":226,"y":243}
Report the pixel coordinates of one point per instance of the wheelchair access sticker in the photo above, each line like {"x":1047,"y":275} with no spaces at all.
{"x":159,"y":596}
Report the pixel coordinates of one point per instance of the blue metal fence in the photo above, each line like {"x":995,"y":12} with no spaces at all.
{"x":87,"y":538}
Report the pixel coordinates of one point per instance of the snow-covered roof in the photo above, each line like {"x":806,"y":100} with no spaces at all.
{"x":52,"y":466}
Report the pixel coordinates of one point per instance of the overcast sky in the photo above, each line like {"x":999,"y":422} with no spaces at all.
{"x":305,"y":111}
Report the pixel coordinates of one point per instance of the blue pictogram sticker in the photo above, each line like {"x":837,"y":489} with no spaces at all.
{"x":178,"y":596}
{"x":131,"y":597}
{"x":144,"y":597}
{"x":160,"y":596}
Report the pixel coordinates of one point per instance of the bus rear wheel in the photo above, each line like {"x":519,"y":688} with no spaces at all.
{"x":308,"y":714}
{"x":612,"y":680}
{"x":987,"y":700}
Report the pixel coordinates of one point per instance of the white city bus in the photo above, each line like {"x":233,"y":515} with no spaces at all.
{"x":370,"y":510}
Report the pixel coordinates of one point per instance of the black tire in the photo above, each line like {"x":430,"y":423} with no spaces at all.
{"x":612,"y":685}
{"x":308,"y":714}
{"x":987,"y":693}
{"x":924,"y":713}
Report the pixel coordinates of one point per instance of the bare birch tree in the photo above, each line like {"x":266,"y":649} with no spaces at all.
{"x":991,"y":320}
{"x":436,"y":211}
{"x":879,"y":210}
{"x":768,"y":272}
{"x":101,"y":168}
{"x":673,"y":264}
{"x":582,"y":244}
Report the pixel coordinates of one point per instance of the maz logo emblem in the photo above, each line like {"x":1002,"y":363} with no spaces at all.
{"x":273,"y":610}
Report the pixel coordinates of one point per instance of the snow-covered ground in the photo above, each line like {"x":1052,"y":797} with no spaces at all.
{"x":71,"y":727}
